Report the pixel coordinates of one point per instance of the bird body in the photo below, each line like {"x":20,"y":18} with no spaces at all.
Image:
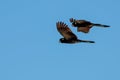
{"x":69,"y":36}
{"x":84,"y":26}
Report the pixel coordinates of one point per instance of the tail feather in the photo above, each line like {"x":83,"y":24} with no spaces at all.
{"x":101,"y":25}
{"x":86,"y":41}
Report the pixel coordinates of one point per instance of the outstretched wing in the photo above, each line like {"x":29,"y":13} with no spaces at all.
{"x":83,"y":29}
{"x":84,"y":26}
{"x":65,"y":31}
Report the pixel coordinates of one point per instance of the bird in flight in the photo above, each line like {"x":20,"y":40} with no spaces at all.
{"x":84,"y":26}
{"x":68,"y":35}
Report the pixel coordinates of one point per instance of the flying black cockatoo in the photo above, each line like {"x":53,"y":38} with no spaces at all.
{"x":84,"y":26}
{"x":68,"y":35}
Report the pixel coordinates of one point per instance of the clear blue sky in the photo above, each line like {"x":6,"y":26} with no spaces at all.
{"x":29,"y":41}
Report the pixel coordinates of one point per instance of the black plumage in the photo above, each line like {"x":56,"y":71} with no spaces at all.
{"x":84,"y":26}
{"x":68,"y":35}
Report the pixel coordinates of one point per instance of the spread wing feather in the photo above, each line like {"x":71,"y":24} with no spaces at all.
{"x":84,"y":27}
{"x":65,"y":31}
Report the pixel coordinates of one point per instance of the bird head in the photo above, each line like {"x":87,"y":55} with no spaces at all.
{"x":62,"y":40}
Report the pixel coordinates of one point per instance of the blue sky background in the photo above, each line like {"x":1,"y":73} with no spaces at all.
{"x":29,"y":41}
